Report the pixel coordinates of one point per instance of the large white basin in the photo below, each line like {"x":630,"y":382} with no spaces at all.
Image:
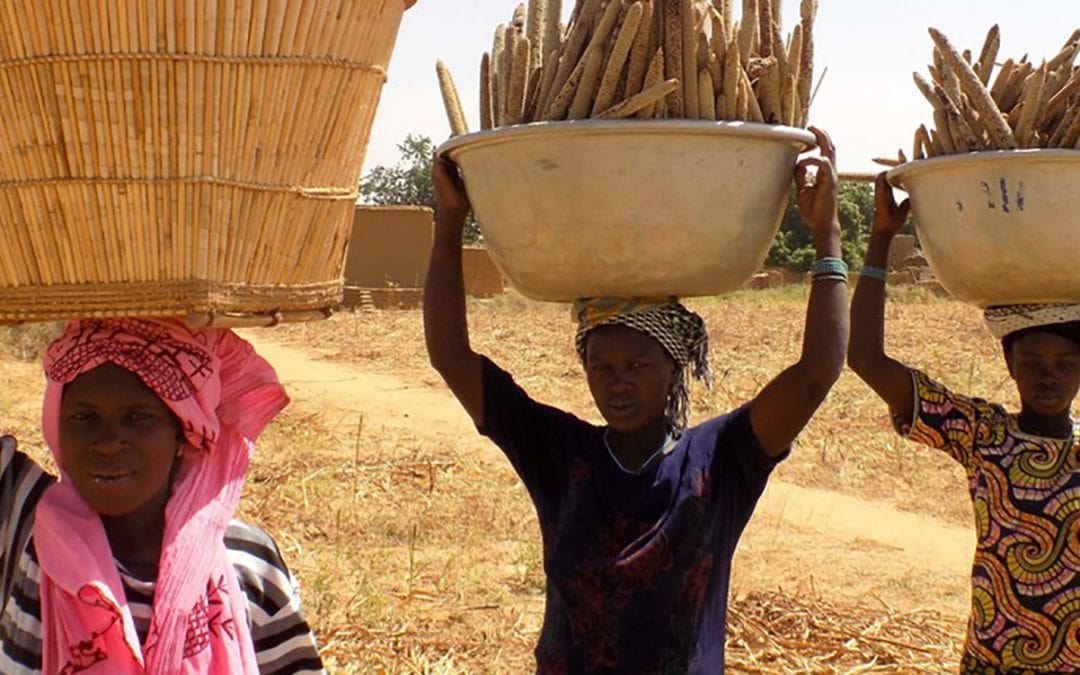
{"x":626,"y":208}
{"x":999,"y":227}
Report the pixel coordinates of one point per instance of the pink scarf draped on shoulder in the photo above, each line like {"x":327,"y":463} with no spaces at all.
{"x":224,"y":395}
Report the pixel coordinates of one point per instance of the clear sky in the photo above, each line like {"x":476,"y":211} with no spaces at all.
{"x":867,"y":101}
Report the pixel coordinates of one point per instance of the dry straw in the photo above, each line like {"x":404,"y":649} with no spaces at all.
{"x":183,"y":156}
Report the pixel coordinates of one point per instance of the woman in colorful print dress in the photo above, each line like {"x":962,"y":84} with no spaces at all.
{"x":639,"y":518}
{"x":1023,"y":468}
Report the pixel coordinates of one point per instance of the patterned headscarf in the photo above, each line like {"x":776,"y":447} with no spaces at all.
{"x":681,"y":333}
{"x":224,"y":395}
{"x":1005,"y":320}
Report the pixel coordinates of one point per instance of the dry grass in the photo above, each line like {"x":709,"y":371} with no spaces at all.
{"x":773,"y":632}
{"x":413,"y":557}
{"x":418,"y":552}
{"x":24,"y":342}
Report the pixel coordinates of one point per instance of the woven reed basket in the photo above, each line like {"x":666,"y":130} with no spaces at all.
{"x":183,"y":157}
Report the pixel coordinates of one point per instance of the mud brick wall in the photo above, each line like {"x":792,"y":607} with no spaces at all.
{"x":482,"y":278}
{"x":390,"y":247}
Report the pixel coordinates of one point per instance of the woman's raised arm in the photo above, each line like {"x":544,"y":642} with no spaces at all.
{"x":446,"y":328}
{"x":780,"y":411}
{"x":866,"y":353}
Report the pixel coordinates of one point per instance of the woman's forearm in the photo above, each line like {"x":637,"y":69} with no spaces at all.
{"x":446,"y":329}
{"x":826,"y":331}
{"x":868,"y":309}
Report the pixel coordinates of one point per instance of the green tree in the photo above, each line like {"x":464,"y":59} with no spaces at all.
{"x":409,"y":181}
{"x":793,"y":247}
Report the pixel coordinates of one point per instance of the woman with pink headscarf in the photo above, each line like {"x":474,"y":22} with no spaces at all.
{"x":131,"y":561}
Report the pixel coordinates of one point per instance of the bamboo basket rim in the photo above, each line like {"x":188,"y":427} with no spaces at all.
{"x":328,"y":192}
{"x":219,"y":319}
{"x":163,"y":298}
{"x":195,"y":57}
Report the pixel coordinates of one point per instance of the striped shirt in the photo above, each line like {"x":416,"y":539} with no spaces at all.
{"x":284,"y":643}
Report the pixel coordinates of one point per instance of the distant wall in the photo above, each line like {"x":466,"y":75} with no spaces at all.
{"x":390,"y":246}
{"x":903,"y":246}
{"x":482,"y":278}
{"x":382,"y":298}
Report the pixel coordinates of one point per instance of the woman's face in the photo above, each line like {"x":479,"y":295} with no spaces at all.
{"x":118,"y":441}
{"x":1046,"y":368}
{"x":630,"y":376}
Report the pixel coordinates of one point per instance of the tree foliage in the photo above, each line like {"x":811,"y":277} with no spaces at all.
{"x":793,"y":247}
{"x":409,"y":181}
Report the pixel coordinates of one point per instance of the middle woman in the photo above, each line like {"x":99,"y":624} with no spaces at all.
{"x":640,"y":518}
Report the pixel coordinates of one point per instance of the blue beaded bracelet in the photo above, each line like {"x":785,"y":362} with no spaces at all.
{"x":829,"y":265}
{"x":878,"y":273}
{"x":829,"y":269}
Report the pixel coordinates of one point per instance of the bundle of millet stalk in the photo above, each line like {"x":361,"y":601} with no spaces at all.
{"x":649,"y":59}
{"x":981,"y":105}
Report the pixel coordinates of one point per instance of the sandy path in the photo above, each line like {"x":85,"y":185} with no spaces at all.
{"x":800,"y":538}
{"x":920,"y":540}
{"x":383,"y":400}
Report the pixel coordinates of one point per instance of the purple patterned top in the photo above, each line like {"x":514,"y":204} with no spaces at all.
{"x":637,"y":564}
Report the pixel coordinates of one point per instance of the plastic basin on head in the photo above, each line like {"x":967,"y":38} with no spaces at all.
{"x":1000,"y":227}
{"x":628,"y":208}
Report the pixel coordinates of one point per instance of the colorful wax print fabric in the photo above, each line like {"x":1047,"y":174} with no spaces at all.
{"x":1025,"y":581}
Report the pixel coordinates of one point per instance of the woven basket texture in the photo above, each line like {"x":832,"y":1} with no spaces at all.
{"x":170,"y":157}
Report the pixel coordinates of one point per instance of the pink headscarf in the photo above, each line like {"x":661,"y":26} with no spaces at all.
{"x":224,"y":395}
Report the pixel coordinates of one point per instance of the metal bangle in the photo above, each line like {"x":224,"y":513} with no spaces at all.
{"x":872,"y":272}
{"x":842,"y":278}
